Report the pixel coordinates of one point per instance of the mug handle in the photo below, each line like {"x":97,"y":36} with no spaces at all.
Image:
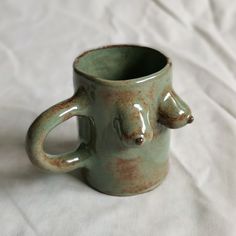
{"x":77,"y":105}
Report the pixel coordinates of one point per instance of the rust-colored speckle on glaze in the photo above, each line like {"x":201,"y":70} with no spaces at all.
{"x":151,"y":92}
{"x":121,"y":96}
{"x":142,"y":184}
{"x":127,"y":170}
{"x":124,"y":131}
{"x":57,"y":162}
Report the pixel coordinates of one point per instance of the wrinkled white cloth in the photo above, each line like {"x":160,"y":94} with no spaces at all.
{"x":38,"y":43}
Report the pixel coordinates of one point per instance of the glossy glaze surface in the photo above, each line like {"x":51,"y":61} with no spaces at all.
{"x":124,"y":130}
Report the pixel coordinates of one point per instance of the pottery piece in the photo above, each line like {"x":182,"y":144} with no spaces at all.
{"x":125,"y":104}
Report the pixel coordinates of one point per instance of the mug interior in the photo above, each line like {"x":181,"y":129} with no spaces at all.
{"x":121,"y":62}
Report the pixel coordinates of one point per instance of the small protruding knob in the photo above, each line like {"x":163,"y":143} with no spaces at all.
{"x":190,"y":119}
{"x":139,"y":141}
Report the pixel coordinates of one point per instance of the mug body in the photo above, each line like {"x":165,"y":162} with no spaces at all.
{"x":128,"y":145}
{"x":125,"y":105}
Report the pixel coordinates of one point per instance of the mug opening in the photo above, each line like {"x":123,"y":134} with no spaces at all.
{"x":120,"y":62}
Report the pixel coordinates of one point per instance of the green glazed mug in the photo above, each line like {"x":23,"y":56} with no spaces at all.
{"x":125,"y":104}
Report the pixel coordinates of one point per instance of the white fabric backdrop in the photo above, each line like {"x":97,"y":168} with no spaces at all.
{"x":38,"y":42}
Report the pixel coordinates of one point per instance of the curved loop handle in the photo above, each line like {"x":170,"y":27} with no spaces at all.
{"x":38,"y":131}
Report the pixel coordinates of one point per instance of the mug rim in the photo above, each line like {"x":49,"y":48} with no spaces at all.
{"x":136,"y":80}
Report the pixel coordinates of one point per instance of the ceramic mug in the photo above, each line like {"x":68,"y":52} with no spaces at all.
{"x":125,"y":104}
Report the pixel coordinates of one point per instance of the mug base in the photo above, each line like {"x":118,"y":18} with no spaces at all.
{"x":126,"y":194}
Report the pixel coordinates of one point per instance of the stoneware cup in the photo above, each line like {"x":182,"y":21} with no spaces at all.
{"x":125,"y":105}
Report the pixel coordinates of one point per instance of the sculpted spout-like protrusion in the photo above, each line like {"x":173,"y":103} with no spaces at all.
{"x":173,"y":111}
{"x":133,"y":125}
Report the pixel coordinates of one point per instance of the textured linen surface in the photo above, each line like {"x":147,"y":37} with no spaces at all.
{"x":38,"y":42}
